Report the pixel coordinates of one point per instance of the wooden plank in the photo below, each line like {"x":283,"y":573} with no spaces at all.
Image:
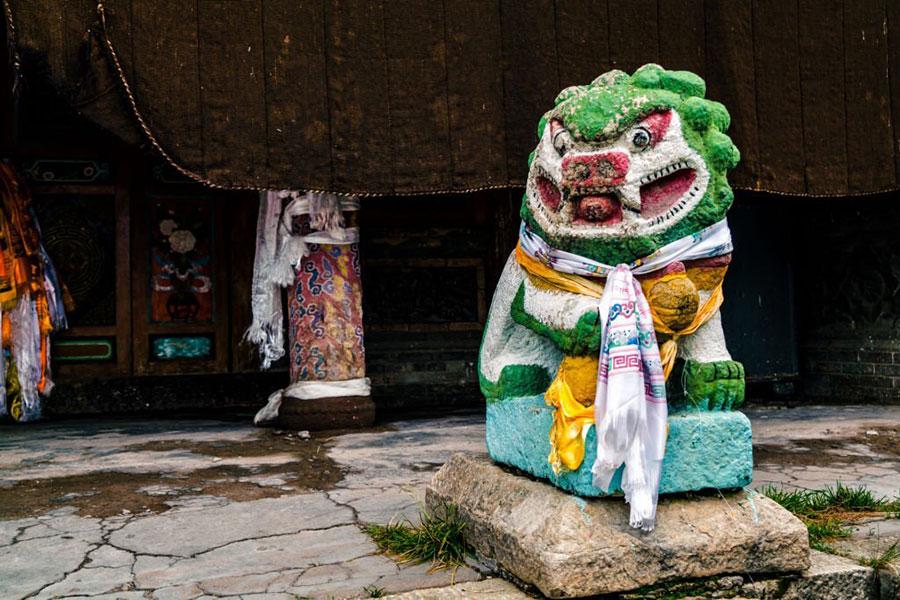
{"x":477,"y":120}
{"x":893,"y":22}
{"x":778,"y":98}
{"x":822,"y":86}
{"x":167,"y":85}
{"x":582,"y":30}
{"x":232,"y":84}
{"x":531,"y":78}
{"x":633,"y":34}
{"x":682,"y":36}
{"x":731,"y":80}
{"x":417,"y":87}
{"x":870,"y":136}
{"x":297,"y":93}
{"x":358,"y":96}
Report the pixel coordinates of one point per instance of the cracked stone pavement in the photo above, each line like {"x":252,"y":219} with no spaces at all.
{"x":223,"y":521}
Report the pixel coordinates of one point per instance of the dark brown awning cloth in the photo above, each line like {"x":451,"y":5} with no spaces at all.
{"x":402,"y":96}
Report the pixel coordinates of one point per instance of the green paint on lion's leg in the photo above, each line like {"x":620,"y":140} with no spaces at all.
{"x":581,"y":340}
{"x":523,"y":380}
{"x":516,"y":381}
{"x":715,"y":385}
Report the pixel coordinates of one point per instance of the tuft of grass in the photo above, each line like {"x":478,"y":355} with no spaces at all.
{"x":882,"y":560}
{"x":438,"y":538}
{"x":374,"y":591}
{"x":826,"y":512}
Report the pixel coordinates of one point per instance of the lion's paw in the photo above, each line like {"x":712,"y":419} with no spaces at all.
{"x":715,"y":385}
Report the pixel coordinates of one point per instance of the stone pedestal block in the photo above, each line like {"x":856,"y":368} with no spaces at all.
{"x":704,"y":449}
{"x":568,"y":546}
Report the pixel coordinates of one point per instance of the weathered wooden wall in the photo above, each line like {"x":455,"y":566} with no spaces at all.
{"x":410,"y":96}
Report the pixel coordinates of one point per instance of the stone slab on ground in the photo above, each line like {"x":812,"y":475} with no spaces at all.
{"x":828,"y":578}
{"x":487,"y":589}
{"x":870,"y":541}
{"x":704,"y":450}
{"x":568,"y":546}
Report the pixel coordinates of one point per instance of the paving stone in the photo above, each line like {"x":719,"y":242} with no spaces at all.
{"x":871,"y":540}
{"x":345,"y":579}
{"x":200,"y":501}
{"x":112,"y":596}
{"x":107,"y":556}
{"x":178,"y":592}
{"x":383,"y":506}
{"x":190,"y":531}
{"x":570,"y":547}
{"x":418,"y":576}
{"x":10,"y":529}
{"x":374,"y":573}
{"x":26,"y":567}
{"x":828,"y":578}
{"x":228,"y":585}
{"x":89,"y":582}
{"x":262,"y":555}
{"x":488,"y":589}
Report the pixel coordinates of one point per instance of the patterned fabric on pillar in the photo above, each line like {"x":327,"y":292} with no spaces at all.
{"x":326,"y":326}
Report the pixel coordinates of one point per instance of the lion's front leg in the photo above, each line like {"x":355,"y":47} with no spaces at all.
{"x":712,"y":380}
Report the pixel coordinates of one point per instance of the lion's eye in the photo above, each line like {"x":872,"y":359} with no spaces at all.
{"x":562,"y":141}
{"x":640,"y":139}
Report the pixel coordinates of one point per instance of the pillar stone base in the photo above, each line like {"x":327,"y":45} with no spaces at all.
{"x":344,"y":412}
{"x":571,"y":547}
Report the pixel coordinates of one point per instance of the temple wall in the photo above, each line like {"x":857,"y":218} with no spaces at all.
{"x":848,"y":282}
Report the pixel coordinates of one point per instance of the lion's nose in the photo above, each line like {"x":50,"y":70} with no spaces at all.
{"x":599,"y":169}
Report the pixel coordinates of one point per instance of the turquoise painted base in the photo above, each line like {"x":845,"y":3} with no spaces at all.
{"x":704,"y":449}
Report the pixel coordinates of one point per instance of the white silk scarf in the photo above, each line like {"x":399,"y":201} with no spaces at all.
{"x":630,"y":409}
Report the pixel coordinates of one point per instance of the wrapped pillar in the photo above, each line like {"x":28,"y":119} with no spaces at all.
{"x":310,"y":244}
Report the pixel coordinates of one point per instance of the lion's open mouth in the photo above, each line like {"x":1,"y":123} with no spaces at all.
{"x":664,"y":193}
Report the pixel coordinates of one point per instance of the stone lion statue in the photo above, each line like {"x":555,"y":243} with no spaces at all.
{"x":626,"y":189}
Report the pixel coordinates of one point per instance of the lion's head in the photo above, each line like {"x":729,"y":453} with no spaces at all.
{"x":628,"y":164}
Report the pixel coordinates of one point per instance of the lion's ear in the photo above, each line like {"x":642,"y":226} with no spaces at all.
{"x":569,"y":92}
